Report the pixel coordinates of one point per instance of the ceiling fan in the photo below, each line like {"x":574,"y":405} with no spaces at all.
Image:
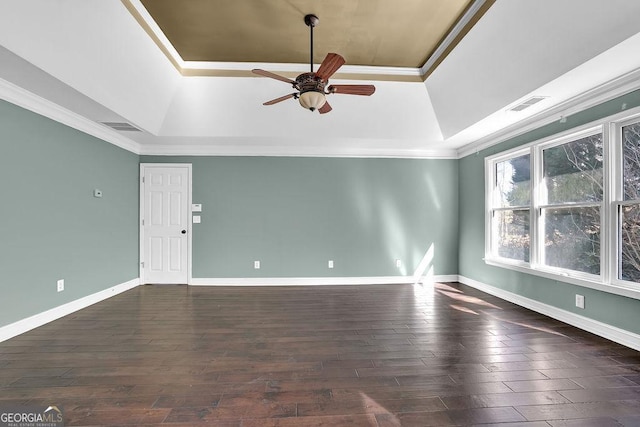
{"x":312,"y":87}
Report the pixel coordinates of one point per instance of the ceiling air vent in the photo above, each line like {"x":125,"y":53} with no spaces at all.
{"x":528,"y":103}
{"x":121,"y":126}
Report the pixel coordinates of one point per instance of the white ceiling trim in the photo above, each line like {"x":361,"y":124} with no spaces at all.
{"x":288,"y":151}
{"x":299,"y":68}
{"x":32,"y":102}
{"x":155,"y":29}
{"x":455,"y":32}
{"x":607,"y":91}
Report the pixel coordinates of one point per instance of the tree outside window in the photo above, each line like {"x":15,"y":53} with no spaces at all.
{"x":629,"y":222}
{"x":573,"y":187}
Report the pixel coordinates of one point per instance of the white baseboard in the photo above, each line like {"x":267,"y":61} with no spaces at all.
{"x":442,"y":278}
{"x":604,"y":330}
{"x":21,"y":326}
{"x":317,"y":281}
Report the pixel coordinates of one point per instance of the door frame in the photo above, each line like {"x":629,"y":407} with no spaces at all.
{"x":143,"y":168}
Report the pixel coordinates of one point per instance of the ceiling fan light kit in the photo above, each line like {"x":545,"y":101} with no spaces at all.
{"x":312,"y":100}
{"x":311,"y":86}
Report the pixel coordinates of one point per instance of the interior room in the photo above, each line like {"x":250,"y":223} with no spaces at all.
{"x":364,"y":213}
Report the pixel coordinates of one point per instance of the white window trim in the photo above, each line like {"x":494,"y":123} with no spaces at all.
{"x":489,"y":188}
{"x":607,"y":281}
{"x":617,"y":192}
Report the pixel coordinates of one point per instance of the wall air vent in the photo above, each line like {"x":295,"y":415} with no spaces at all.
{"x":121,"y":126}
{"x":528,"y":103}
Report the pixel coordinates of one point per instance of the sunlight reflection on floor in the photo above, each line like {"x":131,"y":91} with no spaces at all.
{"x":468,"y":299}
{"x":526,"y":325}
{"x":463,"y":309}
{"x":373,"y":407}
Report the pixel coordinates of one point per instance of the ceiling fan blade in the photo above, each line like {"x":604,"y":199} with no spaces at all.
{"x":330,"y":65}
{"x":365,"y":90}
{"x":272,"y":75}
{"x":325,"y":108}
{"x":282,"y":98}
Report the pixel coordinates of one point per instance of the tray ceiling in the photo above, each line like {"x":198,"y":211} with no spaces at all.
{"x":366,"y":32}
{"x":85,"y":63}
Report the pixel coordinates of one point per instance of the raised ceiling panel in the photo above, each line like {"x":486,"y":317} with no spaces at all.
{"x":366,"y":32}
{"x":517,"y":47}
{"x":97,"y":49}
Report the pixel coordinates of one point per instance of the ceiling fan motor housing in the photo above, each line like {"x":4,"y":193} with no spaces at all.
{"x":310,"y":82}
{"x":313,"y":86}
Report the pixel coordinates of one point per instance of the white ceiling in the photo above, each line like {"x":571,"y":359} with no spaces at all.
{"x":93,"y":61}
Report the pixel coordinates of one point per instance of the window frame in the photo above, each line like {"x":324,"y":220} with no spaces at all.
{"x":610,"y":240}
{"x":540,"y":202}
{"x":490,"y":249}
{"x":617,"y":199}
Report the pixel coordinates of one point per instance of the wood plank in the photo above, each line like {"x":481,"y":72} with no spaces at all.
{"x":313,"y":356}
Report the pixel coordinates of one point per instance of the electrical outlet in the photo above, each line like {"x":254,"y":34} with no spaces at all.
{"x":60,"y":285}
{"x":256,"y":265}
{"x":398,"y":263}
{"x":579,"y":301}
{"x":330,"y":263}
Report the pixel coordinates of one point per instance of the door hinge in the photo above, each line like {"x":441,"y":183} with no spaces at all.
{"x":143,"y":179}
{"x":143,"y":222}
{"x":142,"y":264}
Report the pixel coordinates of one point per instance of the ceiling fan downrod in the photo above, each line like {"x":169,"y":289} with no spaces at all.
{"x":311,"y":20}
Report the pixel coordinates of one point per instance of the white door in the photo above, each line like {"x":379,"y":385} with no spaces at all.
{"x":165,"y":228}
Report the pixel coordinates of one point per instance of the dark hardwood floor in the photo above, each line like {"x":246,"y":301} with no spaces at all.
{"x":395,"y":355}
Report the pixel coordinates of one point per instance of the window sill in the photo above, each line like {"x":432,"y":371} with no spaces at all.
{"x":621,"y":289}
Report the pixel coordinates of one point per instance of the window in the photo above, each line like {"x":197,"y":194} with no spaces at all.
{"x":570,"y":214}
{"x":511,"y":211}
{"x":629,"y":209}
{"x":568,"y":207}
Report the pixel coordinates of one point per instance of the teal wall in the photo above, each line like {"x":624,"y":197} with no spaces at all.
{"x":602,"y":306}
{"x":51,"y":226}
{"x":294,"y":214}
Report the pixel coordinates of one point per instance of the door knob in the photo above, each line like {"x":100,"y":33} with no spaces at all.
{"x":184,"y":231}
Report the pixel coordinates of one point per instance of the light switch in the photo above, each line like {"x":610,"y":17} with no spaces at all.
{"x":196,"y":219}
{"x":196,"y":207}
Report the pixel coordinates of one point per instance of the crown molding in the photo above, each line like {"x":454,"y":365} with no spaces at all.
{"x":32,"y":102}
{"x":289,"y":151}
{"x":301,"y":68}
{"x":146,"y":22}
{"x":347,"y":72}
{"x":604,"y":92}
{"x":470,"y":17}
